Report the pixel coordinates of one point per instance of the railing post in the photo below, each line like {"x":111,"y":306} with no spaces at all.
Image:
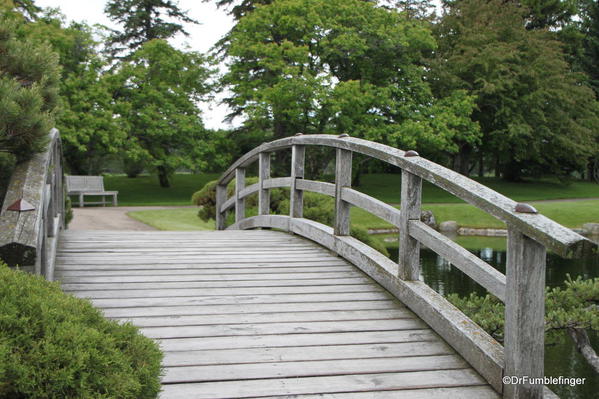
{"x":343,"y":171}
{"x":298,"y":156}
{"x":239,"y":202}
{"x":524,"y":314}
{"x":409,"y":248}
{"x":221,"y":197}
{"x":264,"y":174}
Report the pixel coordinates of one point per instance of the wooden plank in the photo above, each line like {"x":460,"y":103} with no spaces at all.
{"x":232,"y":372}
{"x":343,"y":172}
{"x":378,"y":208}
{"x":213,"y":277}
{"x":470,"y":392}
{"x":477,"y":269}
{"x":305,"y":353}
{"x":298,"y":157}
{"x":20,"y":231}
{"x":227,"y":330}
{"x":409,"y":248}
{"x":215,"y":284}
{"x":318,"y":385}
{"x":209,"y":265}
{"x":263,"y":175}
{"x":316,"y":187}
{"x":272,"y":341}
{"x":203,"y":271}
{"x":249,"y":190}
{"x":257,"y":318}
{"x":249,"y":308}
{"x":524,"y":314}
{"x":187,"y":292}
{"x":277,"y":182}
{"x":248,"y":299}
{"x":127,"y":260}
{"x":472,"y":342}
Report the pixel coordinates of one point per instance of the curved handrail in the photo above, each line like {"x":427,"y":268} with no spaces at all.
{"x":33,"y":211}
{"x":552,"y":235}
{"x":529,"y":236}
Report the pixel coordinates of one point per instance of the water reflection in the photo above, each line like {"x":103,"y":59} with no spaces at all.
{"x":561,"y":358}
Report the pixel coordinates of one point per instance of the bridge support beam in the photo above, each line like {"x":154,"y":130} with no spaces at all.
{"x":343,"y":171}
{"x":264,"y":174}
{"x":409,"y":247}
{"x":239,"y":202}
{"x":221,"y":197}
{"x":524,"y":315}
{"x":298,"y":157}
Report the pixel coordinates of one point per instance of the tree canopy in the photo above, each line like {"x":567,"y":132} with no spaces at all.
{"x":156,"y":92}
{"x":144,"y":20}
{"x":340,"y":67}
{"x":535,"y":113}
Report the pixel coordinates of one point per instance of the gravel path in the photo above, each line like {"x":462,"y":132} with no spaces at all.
{"x":111,"y":218}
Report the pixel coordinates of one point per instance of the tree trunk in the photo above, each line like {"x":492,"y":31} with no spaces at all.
{"x":583,"y":344}
{"x":163,"y":177}
{"x":481,"y":165}
{"x":461,"y":161}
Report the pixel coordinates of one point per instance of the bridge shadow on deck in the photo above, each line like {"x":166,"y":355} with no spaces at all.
{"x":248,"y":314}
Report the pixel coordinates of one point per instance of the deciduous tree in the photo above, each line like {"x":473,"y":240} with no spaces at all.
{"x":157,"y":92}
{"x":537,"y":116}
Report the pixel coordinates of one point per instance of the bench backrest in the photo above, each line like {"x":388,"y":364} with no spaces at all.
{"x":85,"y":183}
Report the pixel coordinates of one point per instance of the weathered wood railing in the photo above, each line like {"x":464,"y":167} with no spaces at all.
{"x":33,"y":211}
{"x":522,"y":288}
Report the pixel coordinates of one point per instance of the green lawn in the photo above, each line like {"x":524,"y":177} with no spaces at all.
{"x":145,"y":190}
{"x":386,"y":187}
{"x":570,"y":214}
{"x":173,"y":219}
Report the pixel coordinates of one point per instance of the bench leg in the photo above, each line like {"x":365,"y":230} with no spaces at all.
{"x":114,"y":200}
{"x":103,"y":200}
{"x":80,"y":200}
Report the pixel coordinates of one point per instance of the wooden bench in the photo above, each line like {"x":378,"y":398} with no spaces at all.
{"x":89,"y":185}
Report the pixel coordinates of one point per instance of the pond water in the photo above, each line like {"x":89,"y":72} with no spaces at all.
{"x":561,"y":358}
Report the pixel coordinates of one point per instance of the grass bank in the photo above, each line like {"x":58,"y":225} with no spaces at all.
{"x":570,"y":214}
{"x":144,"y":190}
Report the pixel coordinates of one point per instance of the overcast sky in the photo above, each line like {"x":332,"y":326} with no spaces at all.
{"x":213,"y":25}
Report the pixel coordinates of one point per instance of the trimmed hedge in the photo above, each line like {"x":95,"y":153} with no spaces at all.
{"x":53,"y":345}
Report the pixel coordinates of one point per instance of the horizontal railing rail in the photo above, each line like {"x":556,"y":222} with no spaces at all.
{"x":33,"y":211}
{"x":522,"y":288}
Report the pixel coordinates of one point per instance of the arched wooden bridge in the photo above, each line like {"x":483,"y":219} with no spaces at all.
{"x":298,"y":309}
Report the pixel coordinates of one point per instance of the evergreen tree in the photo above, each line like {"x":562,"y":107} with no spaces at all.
{"x":144,"y":20}
{"x":29,"y":85}
{"x":535,"y":114}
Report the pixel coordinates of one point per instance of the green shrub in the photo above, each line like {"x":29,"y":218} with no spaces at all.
{"x":317,"y":207}
{"x":53,"y":345}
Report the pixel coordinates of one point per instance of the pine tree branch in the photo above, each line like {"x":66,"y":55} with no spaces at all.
{"x":583,"y":345}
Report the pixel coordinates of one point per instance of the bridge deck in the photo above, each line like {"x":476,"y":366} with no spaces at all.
{"x":257,"y":314}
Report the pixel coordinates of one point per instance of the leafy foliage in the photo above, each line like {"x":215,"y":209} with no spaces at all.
{"x":53,"y":345}
{"x":535,"y":114}
{"x":317,"y":207}
{"x":338,"y":66}
{"x":156,"y":93}
{"x":29,"y":78}
{"x":574,"y":306}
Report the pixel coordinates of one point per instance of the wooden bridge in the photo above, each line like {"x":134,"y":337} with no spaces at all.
{"x":304,"y":310}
